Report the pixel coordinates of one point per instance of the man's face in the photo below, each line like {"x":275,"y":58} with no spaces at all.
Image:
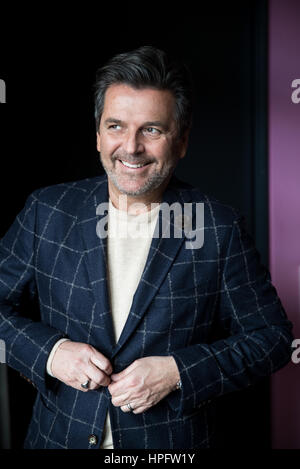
{"x":138,"y":140}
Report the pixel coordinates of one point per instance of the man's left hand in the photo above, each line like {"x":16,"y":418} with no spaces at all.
{"x":144,"y":383}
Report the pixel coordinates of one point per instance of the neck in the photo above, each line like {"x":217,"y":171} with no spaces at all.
{"x":136,"y":204}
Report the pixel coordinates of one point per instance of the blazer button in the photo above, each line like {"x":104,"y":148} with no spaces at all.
{"x":93,"y":440}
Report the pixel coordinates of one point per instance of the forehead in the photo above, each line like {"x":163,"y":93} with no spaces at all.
{"x":147,"y":103}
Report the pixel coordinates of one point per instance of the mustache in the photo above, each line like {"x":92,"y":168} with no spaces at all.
{"x":131,"y":159}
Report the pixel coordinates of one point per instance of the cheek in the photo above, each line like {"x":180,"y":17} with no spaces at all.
{"x":164,"y":154}
{"x":170,"y":146}
{"x":161,"y":149}
{"x":109,"y":145}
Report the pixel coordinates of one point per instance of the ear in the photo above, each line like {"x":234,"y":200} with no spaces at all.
{"x":184,"y":144}
{"x":98,"y":141}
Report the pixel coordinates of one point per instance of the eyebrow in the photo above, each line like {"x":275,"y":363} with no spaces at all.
{"x":112,"y":120}
{"x":156,"y":124}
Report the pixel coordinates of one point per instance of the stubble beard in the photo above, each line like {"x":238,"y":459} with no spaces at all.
{"x":155,"y":180}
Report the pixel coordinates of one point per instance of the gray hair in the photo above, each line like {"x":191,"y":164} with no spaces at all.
{"x":147,"y":67}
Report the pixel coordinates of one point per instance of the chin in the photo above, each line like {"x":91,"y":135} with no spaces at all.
{"x":139,"y":190}
{"x":131,"y":188}
{"x":135,"y":188}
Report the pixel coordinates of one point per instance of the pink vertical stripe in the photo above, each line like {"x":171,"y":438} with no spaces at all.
{"x":284,"y":196}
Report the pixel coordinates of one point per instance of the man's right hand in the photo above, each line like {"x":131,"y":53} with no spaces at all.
{"x":74,"y":363}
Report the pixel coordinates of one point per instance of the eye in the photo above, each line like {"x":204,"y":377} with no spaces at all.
{"x":152,"y":131}
{"x":115,"y":127}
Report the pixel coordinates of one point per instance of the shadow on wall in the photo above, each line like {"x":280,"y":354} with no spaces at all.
{"x":5,"y":434}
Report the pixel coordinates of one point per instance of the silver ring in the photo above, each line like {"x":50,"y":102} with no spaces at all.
{"x":129,"y":407}
{"x":86,"y":384}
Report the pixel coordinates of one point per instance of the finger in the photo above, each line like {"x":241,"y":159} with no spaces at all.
{"x":94,"y":385}
{"x":134,"y":402}
{"x":123,"y":373}
{"x":101,"y":362}
{"x":91,"y":385}
{"x":122,"y":399}
{"x":117,"y":376}
{"x":135,"y":408}
{"x":118,"y":388}
{"x":126,"y":408}
{"x":96,"y":375}
{"x":83,"y":380}
{"x":140,"y":410}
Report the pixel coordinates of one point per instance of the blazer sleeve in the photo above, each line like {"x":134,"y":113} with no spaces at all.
{"x":28,"y":342}
{"x":257,"y":334}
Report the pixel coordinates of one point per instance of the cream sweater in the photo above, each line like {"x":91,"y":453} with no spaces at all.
{"x":129,"y":239}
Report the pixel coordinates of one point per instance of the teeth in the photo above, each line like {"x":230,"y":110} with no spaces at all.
{"x":132,"y":165}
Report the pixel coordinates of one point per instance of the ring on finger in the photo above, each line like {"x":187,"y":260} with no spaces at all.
{"x":86,"y":384}
{"x":129,"y":407}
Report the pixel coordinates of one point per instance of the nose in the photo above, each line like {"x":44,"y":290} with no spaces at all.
{"x":132,"y":143}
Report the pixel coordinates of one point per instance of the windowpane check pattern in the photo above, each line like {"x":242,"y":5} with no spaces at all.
{"x":213,"y":309}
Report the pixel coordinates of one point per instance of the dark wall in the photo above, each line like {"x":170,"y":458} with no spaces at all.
{"x":48,"y":135}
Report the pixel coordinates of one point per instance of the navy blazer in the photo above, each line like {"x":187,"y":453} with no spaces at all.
{"x":212,"y":308}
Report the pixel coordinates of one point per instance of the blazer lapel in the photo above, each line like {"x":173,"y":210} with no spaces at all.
{"x":96,"y":258}
{"x":160,"y":258}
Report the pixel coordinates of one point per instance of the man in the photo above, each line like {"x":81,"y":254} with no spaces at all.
{"x":139,"y":332}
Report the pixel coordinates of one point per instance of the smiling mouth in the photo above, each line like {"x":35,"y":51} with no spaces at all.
{"x":133,"y":166}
